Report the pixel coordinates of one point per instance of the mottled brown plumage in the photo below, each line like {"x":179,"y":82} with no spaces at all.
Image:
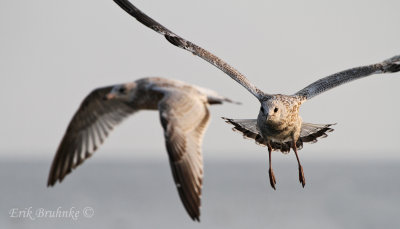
{"x":184,"y":116}
{"x":278,"y":125}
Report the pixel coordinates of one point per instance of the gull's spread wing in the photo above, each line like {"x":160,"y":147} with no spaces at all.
{"x":184,"y":119}
{"x":193,"y":48}
{"x":337,"y":79}
{"x":88,"y":128}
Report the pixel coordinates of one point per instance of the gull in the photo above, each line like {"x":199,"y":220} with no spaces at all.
{"x":184,"y":116}
{"x":278,"y":125}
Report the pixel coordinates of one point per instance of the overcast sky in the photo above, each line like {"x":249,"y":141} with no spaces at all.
{"x":53,"y":53}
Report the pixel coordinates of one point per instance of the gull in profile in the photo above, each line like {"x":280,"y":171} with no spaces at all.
{"x":278,"y":125}
{"x":184,"y":116}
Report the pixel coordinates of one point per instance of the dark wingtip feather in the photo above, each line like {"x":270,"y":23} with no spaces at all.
{"x":214,"y":101}
{"x":125,"y":5}
{"x":232,"y":101}
{"x":393,"y":68}
{"x":50,"y":182}
{"x":392,"y":64}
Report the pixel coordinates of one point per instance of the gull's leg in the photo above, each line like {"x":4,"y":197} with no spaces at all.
{"x":272,"y":179}
{"x":302,"y":179}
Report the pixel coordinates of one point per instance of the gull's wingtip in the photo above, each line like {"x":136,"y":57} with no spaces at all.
{"x":51,"y":182}
{"x":392,"y":64}
{"x":227,"y":120}
{"x":394,"y":59}
{"x":232,"y":101}
{"x":123,"y":4}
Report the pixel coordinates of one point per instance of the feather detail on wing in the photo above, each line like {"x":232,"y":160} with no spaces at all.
{"x":388,"y":66}
{"x":191,"y":47}
{"x":248,"y":127}
{"x":184,"y":119}
{"x":309,"y":133}
{"x":86,"y":131}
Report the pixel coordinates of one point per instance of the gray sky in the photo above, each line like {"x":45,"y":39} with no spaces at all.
{"x":53,"y":53}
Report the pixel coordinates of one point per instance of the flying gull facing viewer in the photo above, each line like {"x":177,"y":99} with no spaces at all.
{"x":278,"y":125}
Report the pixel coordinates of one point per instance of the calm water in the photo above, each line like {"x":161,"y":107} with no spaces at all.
{"x":236,"y":194}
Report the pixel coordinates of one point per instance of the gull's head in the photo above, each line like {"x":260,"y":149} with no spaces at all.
{"x":273,"y":110}
{"x":122,"y":92}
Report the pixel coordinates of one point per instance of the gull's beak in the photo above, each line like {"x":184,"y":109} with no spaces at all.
{"x":109,"y":96}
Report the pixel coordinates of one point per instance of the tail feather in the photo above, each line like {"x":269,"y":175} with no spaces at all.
{"x":309,"y":133}
{"x":248,"y":127}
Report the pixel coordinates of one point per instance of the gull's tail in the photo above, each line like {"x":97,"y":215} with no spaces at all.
{"x":309,"y":133}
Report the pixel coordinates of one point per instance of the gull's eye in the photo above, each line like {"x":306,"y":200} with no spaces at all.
{"x":122,"y":90}
{"x":276,"y":109}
